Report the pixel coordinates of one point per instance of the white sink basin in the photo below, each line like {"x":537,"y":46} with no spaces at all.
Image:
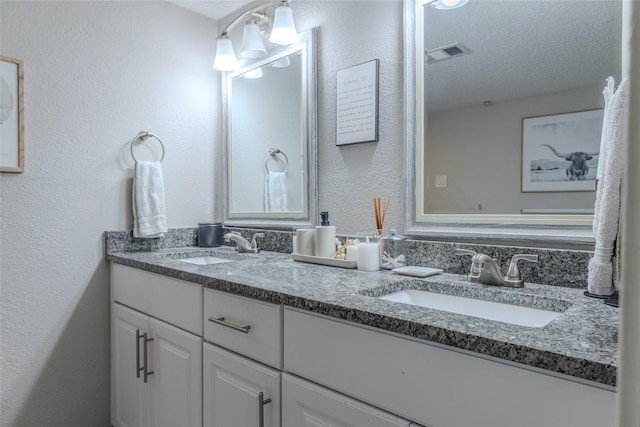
{"x":507,"y":313}
{"x":204,"y":260}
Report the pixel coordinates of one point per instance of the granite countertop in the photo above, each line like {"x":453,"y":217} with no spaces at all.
{"x":581,"y":342}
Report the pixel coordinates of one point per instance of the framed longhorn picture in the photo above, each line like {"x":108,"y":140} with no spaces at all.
{"x":560,"y":151}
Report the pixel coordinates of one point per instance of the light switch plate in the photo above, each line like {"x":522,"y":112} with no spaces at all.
{"x":441,"y":181}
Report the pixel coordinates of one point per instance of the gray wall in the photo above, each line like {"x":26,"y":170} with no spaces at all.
{"x":479,"y":149}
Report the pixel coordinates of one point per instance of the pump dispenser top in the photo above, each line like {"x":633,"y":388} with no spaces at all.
{"x":325,"y":239}
{"x":324,"y":217}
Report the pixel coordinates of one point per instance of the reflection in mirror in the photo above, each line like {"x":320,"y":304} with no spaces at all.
{"x":270,"y":133}
{"x":481,"y":71}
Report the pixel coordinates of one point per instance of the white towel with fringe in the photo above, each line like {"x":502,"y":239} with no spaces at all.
{"x":604,"y":277}
{"x":149,"y":220}
{"x":275,"y":192}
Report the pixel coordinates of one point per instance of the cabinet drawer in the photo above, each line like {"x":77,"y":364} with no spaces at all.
{"x":432,"y":385}
{"x":249,"y":327}
{"x":307,"y":404}
{"x":175,"y":301}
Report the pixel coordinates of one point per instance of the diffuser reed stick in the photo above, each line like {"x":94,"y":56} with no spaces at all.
{"x":380,"y":206}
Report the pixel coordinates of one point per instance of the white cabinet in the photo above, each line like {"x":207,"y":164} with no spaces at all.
{"x":434,"y":385}
{"x":156,"y":367}
{"x":308,"y":405}
{"x":156,"y":372}
{"x":129,"y":395}
{"x":239,"y":392}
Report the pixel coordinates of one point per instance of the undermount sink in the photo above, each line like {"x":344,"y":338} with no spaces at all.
{"x":490,"y":310}
{"x":204,"y":260}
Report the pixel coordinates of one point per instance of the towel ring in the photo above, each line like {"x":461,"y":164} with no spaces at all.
{"x":272,"y":153}
{"x":144,"y":136}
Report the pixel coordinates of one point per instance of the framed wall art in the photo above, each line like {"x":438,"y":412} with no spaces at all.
{"x":11,"y":115}
{"x":560,"y":151}
{"x":357,"y":104}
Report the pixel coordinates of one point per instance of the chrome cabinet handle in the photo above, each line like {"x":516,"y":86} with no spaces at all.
{"x":138,"y":368}
{"x":261,"y":403}
{"x":146,"y":358}
{"x":221,"y":321}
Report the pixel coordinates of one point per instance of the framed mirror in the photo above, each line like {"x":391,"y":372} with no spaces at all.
{"x":479,"y":79}
{"x":269,"y":129}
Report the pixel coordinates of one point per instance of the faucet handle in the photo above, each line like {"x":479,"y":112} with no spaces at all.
{"x":513,"y":273}
{"x":254,"y":243}
{"x":459,"y":251}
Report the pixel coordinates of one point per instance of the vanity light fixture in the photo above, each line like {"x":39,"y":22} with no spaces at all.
{"x":261,"y":19}
{"x":448,"y":4}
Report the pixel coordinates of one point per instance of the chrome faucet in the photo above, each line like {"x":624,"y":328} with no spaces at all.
{"x":242,"y":244}
{"x":485,"y":270}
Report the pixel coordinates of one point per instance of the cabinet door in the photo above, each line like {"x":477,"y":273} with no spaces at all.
{"x":176,"y":382}
{"x":232,"y":387}
{"x":129,"y":398}
{"x":308,"y":405}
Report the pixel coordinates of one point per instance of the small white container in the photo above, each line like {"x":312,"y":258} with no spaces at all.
{"x":305,"y":241}
{"x":325,"y":241}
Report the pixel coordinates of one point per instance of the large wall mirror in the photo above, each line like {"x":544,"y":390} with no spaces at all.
{"x":269,"y":126}
{"x":506,"y":91}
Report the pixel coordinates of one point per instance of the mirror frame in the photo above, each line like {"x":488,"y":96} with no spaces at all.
{"x":279,"y":220}
{"x":567,"y":231}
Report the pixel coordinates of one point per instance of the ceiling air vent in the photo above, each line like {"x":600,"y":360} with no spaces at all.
{"x":445,"y":52}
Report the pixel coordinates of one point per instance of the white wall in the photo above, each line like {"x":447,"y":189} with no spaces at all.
{"x":96,"y":73}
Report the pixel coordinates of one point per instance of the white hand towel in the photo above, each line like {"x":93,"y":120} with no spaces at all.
{"x":607,"y":214}
{"x":275,"y":192}
{"x":149,"y":219}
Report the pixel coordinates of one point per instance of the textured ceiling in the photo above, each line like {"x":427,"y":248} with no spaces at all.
{"x":521,"y":48}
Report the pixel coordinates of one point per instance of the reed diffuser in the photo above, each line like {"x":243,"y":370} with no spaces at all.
{"x":380,"y":206}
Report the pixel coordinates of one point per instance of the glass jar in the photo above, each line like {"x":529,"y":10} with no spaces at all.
{"x":392,"y":251}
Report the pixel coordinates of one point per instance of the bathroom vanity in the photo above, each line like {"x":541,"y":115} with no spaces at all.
{"x":263,"y":340}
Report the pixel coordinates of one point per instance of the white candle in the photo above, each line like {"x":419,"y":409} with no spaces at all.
{"x":368,"y":256}
{"x":352,"y":253}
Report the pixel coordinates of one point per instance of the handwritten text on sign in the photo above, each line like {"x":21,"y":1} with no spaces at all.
{"x":357,"y":104}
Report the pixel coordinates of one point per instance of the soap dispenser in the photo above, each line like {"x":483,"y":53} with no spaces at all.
{"x":325,"y":239}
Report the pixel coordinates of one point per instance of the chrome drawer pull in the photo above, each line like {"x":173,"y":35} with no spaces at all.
{"x":261,"y":403}
{"x":221,"y":321}
{"x":146,"y":358}
{"x":138,"y":368}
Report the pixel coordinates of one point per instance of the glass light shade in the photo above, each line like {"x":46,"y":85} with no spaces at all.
{"x":252,"y":44}
{"x":448,"y":4}
{"x":281,"y":63}
{"x":284,"y":29}
{"x":225,"y":56}
{"x":256,"y":73}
